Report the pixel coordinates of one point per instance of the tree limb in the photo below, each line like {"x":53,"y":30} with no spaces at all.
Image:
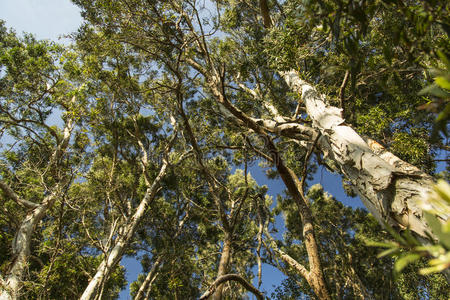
{"x":265,"y":13}
{"x":234,"y":277}
{"x":13,"y":196}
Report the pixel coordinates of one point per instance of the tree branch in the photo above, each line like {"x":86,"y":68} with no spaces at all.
{"x":265,"y":13}
{"x":13,"y":196}
{"x":234,"y":277}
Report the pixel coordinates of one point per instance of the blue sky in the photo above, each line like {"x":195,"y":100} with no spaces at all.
{"x":46,"y":19}
{"x":50,"y":19}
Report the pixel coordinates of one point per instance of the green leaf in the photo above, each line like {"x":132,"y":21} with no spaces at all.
{"x":443,"y":189}
{"x":442,"y":82}
{"x":371,"y":243}
{"x":389,"y":252}
{"x":434,"y":269}
{"x":434,"y":90}
{"x":444,"y":58}
{"x":395,"y":234}
{"x":405,"y":260}
{"x":410,"y":238}
{"x":436,"y":227}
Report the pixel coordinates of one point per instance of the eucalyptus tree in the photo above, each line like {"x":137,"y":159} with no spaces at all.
{"x":172,"y":59}
{"x":135,"y":147}
{"x":252,"y":63}
{"x":39,"y":160}
{"x":168,"y":80}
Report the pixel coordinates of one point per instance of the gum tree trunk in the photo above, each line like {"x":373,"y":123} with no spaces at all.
{"x":146,"y":285}
{"x":389,"y":187}
{"x":10,"y":285}
{"x":21,"y":249}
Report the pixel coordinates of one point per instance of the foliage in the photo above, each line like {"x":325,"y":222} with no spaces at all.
{"x":199,"y":89}
{"x":354,"y":268}
{"x":408,"y":249}
{"x":439,"y":90}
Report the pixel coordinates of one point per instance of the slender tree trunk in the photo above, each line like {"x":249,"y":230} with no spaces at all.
{"x":223,"y":266}
{"x":148,"y":279}
{"x":21,"y":250}
{"x":149,"y":288}
{"x":315,"y":275}
{"x":115,"y":255}
{"x":314,"y":279}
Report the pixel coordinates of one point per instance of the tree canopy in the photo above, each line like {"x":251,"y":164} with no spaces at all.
{"x":140,"y":138}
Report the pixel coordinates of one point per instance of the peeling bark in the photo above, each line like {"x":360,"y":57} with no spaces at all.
{"x":389,"y":187}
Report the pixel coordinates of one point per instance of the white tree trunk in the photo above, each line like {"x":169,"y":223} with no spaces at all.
{"x":389,"y":187}
{"x":21,"y":251}
{"x":146,"y":285}
{"x":115,"y":255}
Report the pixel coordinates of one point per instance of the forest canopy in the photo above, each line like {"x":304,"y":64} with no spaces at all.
{"x":140,"y":137}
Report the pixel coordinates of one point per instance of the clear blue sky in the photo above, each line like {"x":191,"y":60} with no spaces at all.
{"x":50,"y":19}
{"x":46,"y":19}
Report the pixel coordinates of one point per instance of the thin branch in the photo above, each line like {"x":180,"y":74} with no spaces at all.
{"x":234,"y":277}
{"x":342,"y":89}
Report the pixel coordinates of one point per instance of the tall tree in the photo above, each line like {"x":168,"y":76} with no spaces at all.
{"x":41,"y":160}
{"x":168,"y":97}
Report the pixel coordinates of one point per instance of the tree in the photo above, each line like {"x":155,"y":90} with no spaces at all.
{"x":175,"y":93}
{"x":40,"y":163}
{"x":386,"y":184}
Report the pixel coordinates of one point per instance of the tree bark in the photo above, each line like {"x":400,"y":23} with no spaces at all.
{"x":223,"y":266}
{"x":315,"y":275}
{"x":21,"y":249}
{"x":234,"y":277}
{"x":389,"y":187}
{"x":265,"y":13}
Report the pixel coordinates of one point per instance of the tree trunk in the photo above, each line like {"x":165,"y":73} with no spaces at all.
{"x":389,"y":187}
{"x":223,"y":266}
{"x":315,"y":275}
{"x":114,"y":256}
{"x":21,"y":249}
{"x":148,"y":279}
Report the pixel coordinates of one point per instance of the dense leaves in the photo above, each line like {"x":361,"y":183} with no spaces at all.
{"x":140,"y":139}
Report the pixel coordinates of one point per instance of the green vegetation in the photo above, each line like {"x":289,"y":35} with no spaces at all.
{"x":139,"y":140}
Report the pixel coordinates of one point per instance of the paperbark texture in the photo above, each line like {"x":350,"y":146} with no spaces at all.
{"x":389,"y":187}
